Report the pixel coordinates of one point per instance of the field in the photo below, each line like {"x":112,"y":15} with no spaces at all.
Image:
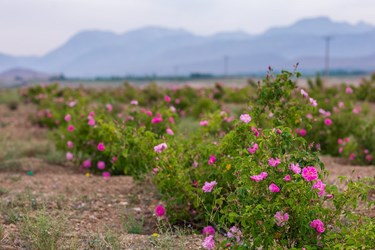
{"x":50,"y":202}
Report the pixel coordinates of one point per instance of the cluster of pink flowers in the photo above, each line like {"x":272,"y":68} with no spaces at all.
{"x":253,"y":149}
{"x":259,"y":177}
{"x":234,"y":232}
{"x":274,"y":162}
{"x":208,"y":186}
{"x":281,"y":218}
{"x":211,"y":160}
{"x":160,"y":148}
{"x":318,"y":225}
{"x":310,"y":173}
{"x":246,"y":118}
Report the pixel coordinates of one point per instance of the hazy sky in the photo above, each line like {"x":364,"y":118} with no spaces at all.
{"x":34,"y":27}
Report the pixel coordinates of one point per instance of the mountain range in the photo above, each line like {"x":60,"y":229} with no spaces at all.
{"x":162,"y":51}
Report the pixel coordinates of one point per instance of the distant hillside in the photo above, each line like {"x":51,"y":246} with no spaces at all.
{"x":161,"y":51}
{"x":20,"y":74}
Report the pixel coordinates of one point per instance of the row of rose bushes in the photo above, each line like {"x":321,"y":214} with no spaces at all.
{"x":256,"y":181}
{"x":341,"y":126}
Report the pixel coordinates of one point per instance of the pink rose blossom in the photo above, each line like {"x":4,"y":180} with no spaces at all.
{"x":160,"y":148}
{"x":302,"y":132}
{"x":321,"y":186}
{"x":134,"y":102}
{"x":352,"y":157}
{"x":91,"y":122}
{"x":157,"y":119}
{"x":167,"y":99}
{"x":255,"y":131}
{"x":109,"y":107}
{"x":209,"y":243}
{"x":357,"y":110}
{"x":211,"y":160}
{"x":69,"y":156}
{"x":318,"y":225}
{"x":246,"y":118}
{"x":70,"y":144}
{"x":274,"y":188}
{"x":340,"y":141}
{"x":287,"y":178}
{"x":169,"y":131}
{"x":101,"y":165}
{"x":195,"y":164}
{"x":274,"y":162}
{"x":313,"y":102}
{"x":328,"y":122}
{"x":341,"y":105}
{"x":171,"y":120}
{"x":160,"y":210}
{"x":86,"y":164}
{"x":101,"y":146}
{"x":70,"y":128}
{"x":304,"y":93}
{"x":295,"y":168}
{"x":281,"y":218}
{"x":209,"y":230}
{"x":203,"y":123}
{"x":208,"y":186}
{"x":253,"y":149}
{"x":310,"y":173}
{"x":234,"y":232}
{"x":369,"y":158}
{"x":106,"y":175}
{"x":349,"y":90}
{"x":155,"y":170}
{"x":341,"y":149}
{"x":67,"y":118}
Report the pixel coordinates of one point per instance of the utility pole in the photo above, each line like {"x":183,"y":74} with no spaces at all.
{"x":327,"y":45}
{"x":226,"y":65}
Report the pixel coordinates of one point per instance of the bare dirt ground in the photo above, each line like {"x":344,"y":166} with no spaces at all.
{"x":93,"y":213}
